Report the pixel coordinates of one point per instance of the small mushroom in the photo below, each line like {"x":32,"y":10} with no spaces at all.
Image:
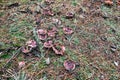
{"x":26,"y":49}
{"x":31,"y":43}
{"x":21,"y":64}
{"x":48,"y":44}
{"x":69,"y":15}
{"x":108,"y":2}
{"x":67,"y":30}
{"x":51,"y":32}
{"x":48,"y":12}
{"x":58,"y":49}
{"x":42,"y":34}
{"x":118,"y":2}
{"x":69,"y":65}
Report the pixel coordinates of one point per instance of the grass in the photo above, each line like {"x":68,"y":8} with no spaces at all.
{"x":18,"y":76}
{"x":92,"y":55}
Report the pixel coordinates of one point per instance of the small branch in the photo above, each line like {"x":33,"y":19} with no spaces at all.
{"x":14,"y":55}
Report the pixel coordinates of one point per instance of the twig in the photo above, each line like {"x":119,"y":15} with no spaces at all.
{"x":15,"y":55}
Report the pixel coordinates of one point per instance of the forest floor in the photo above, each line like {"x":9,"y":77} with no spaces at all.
{"x":84,"y":32}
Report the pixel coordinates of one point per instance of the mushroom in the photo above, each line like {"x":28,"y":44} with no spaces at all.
{"x":108,"y":2}
{"x":26,"y":49}
{"x":48,"y":12}
{"x":42,"y":34}
{"x":58,"y":49}
{"x":51,"y":32}
{"x":21,"y":64}
{"x":118,"y":2}
{"x":31,"y":43}
{"x":48,"y":44}
{"x":69,"y":65}
{"x":67,"y":30}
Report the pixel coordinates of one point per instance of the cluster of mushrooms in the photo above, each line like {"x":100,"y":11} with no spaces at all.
{"x":44,"y":34}
{"x":58,"y":48}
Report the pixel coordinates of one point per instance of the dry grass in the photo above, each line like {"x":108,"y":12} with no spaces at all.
{"x":94,"y":45}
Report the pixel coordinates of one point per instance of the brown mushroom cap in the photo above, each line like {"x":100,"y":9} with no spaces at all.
{"x":52,"y":32}
{"x":67,"y":30}
{"x":21,"y":64}
{"x":108,"y":2}
{"x":58,"y":49}
{"x":48,"y":12}
{"x":118,"y":2}
{"x":31,"y":43}
{"x":26,"y":49}
{"x":42,"y":34}
{"x":48,"y":44}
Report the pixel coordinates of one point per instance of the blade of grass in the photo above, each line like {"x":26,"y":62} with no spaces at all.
{"x":39,"y":43}
{"x":14,"y":55}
